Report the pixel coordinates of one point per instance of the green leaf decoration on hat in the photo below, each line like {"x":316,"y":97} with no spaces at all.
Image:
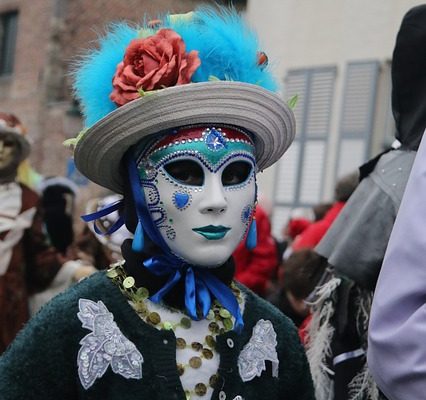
{"x":74,"y":141}
{"x":292,"y":102}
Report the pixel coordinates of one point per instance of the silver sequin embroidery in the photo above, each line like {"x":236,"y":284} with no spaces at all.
{"x":104,"y":346}
{"x":260,"y":348}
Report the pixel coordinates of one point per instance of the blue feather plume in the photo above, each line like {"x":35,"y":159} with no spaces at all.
{"x":226,"y":46}
{"x":94,"y":72}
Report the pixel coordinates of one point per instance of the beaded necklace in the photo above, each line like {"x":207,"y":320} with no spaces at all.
{"x":220,"y":322}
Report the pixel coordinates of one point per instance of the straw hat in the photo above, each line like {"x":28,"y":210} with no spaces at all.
{"x":223,"y":80}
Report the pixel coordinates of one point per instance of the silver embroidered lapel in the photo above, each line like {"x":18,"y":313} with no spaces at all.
{"x":260,"y":348}
{"x":104,"y":346}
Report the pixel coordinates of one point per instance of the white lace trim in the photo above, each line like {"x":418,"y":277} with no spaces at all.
{"x":104,"y":346}
{"x":260,"y":348}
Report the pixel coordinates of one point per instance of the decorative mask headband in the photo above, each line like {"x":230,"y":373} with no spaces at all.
{"x":194,"y":141}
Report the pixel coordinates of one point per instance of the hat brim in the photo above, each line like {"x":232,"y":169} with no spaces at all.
{"x":99,"y":152}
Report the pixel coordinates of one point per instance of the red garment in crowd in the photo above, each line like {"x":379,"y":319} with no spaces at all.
{"x":304,"y":329}
{"x":312,"y":235}
{"x":254,"y":268}
{"x":296,"y":226}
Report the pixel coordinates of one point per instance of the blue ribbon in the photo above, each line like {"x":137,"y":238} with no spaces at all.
{"x":199,"y":285}
{"x":102,"y":213}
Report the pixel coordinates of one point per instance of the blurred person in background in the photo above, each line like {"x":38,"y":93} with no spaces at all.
{"x":297,"y":279}
{"x":300,"y":255}
{"x":27,"y":263}
{"x":320,"y":210}
{"x":298,"y":221}
{"x":58,"y":195}
{"x":313,"y":233}
{"x":355,"y":244}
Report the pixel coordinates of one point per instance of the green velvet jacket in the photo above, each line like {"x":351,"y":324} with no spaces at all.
{"x":42,"y":362}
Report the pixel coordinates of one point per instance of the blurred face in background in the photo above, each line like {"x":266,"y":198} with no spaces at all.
{"x":9,"y":152}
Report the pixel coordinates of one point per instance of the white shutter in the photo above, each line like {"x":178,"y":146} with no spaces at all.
{"x":287,"y":174}
{"x":356,"y":125}
{"x":300,"y":172}
{"x":320,"y":103}
{"x":296,"y":83}
{"x":311,"y":184}
{"x":351,"y":156}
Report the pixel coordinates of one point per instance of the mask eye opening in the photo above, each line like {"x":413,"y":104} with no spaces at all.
{"x":237,"y":173}
{"x":186,"y":172}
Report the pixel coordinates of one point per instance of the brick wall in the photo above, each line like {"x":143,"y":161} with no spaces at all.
{"x":51,"y":33}
{"x":22,"y":92}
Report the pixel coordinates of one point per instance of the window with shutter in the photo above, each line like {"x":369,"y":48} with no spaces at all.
{"x":299,"y":178}
{"x":357,"y":117}
{"x":8,"y":31}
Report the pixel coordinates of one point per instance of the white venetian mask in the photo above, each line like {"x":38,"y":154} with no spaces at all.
{"x":200,"y":188}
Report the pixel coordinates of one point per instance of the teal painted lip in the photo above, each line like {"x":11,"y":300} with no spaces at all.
{"x":212,"y":232}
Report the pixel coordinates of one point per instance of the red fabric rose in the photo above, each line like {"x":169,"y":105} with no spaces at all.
{"x":151,"y":63}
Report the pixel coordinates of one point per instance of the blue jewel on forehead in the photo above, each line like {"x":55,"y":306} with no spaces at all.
{"x":214,"y":139}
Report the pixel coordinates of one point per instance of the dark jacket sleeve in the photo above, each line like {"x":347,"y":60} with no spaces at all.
{"x":295,"y":376}
{"x":41,"y":362}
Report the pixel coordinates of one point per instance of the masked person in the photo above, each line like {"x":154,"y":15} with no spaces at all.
{"x":181,"y":133}
{"x":355,"y":244}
